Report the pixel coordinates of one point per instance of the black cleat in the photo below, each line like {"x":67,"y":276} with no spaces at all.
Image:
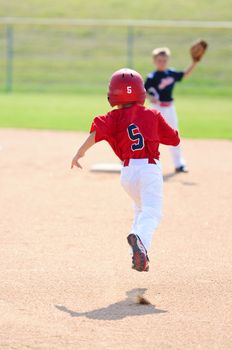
{"x":140,"y":260}
{"x":181,"y":169}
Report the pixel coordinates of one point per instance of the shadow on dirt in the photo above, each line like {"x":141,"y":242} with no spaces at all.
{"x":119,"y":310}
{"x":170,"y":176}
{"x":167,"y":177}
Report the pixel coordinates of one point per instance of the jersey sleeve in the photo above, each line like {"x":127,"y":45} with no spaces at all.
{"x":102,"y":125}
{"x":166,"y":134}
{"x":178,"y":76}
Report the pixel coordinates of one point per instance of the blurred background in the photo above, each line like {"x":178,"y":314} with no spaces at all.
{"x":56,"y":59}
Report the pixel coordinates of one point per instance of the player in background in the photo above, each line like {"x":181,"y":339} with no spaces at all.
{"x":159,"y":86}
{"x":134,"y":132}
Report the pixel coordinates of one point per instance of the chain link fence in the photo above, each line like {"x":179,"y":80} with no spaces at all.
{"x":80,"y":57}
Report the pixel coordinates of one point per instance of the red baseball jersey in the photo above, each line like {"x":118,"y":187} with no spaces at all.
{"x":134,"y":132}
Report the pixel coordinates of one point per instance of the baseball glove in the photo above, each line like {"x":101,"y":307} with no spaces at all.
{"x":197,"y":50}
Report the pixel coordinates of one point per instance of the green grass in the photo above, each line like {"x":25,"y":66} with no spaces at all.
{"x":200,"y":117}
{"x":153,"y":9}
{"x":81,"y":59}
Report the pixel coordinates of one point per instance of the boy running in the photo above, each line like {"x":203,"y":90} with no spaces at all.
{"x":134,"y":132}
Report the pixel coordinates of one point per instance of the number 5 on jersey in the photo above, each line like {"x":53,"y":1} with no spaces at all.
{"x":135,"y":135}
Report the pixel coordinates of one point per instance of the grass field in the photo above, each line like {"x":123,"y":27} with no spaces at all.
{"x":80,"y":59}
{"x":204,"y":10}
{"x":67,"y":59}
{"x":200,"y":117}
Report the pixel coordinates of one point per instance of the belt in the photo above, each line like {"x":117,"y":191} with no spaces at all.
{"x":126,"y":162}
{"x":165,"y":104}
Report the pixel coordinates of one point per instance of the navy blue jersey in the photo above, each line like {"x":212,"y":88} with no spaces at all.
{"x":160,"y":84}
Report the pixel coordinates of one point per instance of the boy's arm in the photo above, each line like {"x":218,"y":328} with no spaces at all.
{"x":167,"y":135}
{"x":188,"y":71}
{"x":152,"y":96}
{"x":151,"y":93}
{"x":89,"y":142}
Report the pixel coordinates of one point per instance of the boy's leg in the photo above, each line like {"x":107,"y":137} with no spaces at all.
{"x":151,"y":202}
{"x":130,"y":181}
{"x":171,"y":118}
{"x":169,"y":113}
{"x":137,"y":211}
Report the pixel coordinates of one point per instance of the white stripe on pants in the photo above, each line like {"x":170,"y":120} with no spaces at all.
{"x":144,"y":184}
{"x":169,"y":114}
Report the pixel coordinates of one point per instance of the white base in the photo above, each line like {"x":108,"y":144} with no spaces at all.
{"x":106,"y":167}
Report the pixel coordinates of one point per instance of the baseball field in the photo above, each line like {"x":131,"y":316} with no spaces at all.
{"x":65,"y":271}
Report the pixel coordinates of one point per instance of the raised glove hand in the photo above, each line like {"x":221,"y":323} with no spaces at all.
{"x":197,"y":50}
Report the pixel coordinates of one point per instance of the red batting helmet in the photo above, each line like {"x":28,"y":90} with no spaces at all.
{"x":126,"y":86}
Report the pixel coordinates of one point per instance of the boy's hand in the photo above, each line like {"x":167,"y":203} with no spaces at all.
{"x":75,"y":161}
{"x":154,"y":100}
{"x":89,"y":142}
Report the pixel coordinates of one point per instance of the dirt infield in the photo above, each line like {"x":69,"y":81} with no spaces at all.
{"x":66,"y":281}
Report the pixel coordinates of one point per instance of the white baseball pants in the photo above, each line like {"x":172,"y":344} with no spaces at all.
{"x":169,"y":114}
{"x":144,"y":184}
